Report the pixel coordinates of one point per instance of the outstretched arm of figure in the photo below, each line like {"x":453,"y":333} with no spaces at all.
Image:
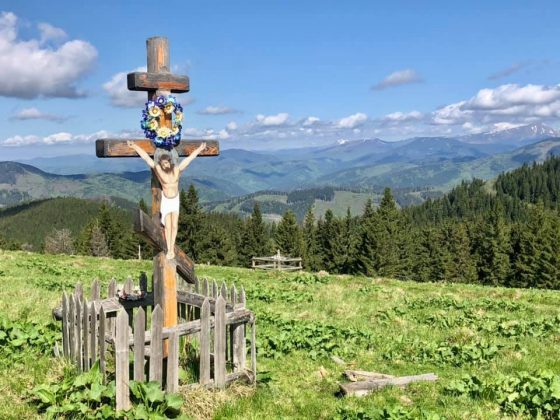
{"x":185,"y":162}
{"x":142,"y":153}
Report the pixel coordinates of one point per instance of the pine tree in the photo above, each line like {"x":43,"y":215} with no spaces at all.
{"x":311,"y":258}
{"x":254,"y":241}
{"x":190,"y":224}
{"x":288,"y":236}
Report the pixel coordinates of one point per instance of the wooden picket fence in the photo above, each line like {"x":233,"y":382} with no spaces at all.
{"x":96,"y":329}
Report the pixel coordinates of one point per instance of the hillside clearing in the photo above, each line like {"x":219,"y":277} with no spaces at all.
{"x":394,"y":327}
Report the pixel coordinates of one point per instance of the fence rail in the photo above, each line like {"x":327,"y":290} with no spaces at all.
{"x":134,"y":331}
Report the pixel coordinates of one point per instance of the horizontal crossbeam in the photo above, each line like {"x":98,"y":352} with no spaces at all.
{"x":144,"y":226}
{"x":157,"y":81}
{"x":113,"y":148}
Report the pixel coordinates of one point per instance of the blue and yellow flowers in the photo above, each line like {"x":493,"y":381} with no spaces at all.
{"x":153,"y":117}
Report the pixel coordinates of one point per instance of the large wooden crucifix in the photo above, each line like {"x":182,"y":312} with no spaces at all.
{"x":158,"y":81}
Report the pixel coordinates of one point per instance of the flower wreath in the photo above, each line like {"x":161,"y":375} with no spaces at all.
{"x":162,"y":136}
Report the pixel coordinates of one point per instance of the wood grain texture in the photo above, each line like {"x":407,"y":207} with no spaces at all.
{"x":144,"y":226}
{"x":121,"y":362}
{"x":65,"y":337}
{"x":172,"y":379}
{"x":139,"y":333}
{"x":85,"y":335}
{"x":101,"y":342}
{"x":359,"y":389}
{"x":220,"y":343}
{"x":205,"y":343}
{"x":92,"y":333}
{"x":78,"y":334}
{"x":144,"y":81}
{"x":156,"y":345}
{"x":113,"y":148}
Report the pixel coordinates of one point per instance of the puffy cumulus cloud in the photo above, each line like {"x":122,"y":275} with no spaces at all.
{"x":35,"y":114}
{"x":118,"y":92}
{"x":62,"y":137}
{"x":272,"y":120}
{"x":231,"y":126}
{"x":218,"y":110}
{"x":30,"y":69}
{"x":352,"y":121}
{"x":206,"y":133}
{"x":517,"y":104}
{"x":50,"y":33}
{"x":398,"y":78}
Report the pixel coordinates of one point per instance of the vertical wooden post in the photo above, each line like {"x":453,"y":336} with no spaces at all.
{"x":121,"y":361}
{"x":158,"y":62}
{"x":220,"y":343}
{"x":156,"y":345}
{"x":92,"y":333}
{"x":101,"y":342}
{"x":172,"y":380}
{"x":139,"y":334}
{"x":85,"y":335}
{"x":65,"y":348}
{"x":205,"y":342}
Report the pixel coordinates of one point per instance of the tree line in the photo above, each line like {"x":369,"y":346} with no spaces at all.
{"x":507,"y":235}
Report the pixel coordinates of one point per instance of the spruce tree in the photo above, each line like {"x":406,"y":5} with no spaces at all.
{"x":288,"y":236}
{"x":311,"y":258}
{"x":190,"y":224}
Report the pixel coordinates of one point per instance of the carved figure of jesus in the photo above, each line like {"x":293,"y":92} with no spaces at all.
{"x":168,"y":175}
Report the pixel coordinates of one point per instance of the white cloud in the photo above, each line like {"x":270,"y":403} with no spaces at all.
{"x":352,"y":121}
{"x":27,"y":70}
{"x":119,"y":94}
{"x":62,"y":138}
{"x":520,"y":104}
{"x":218,"y":110}
{"x":398,"y":78}
{"x":35,"y":114}
{"x":272,"y":120}
{"x":399,"y":117}
{"x":310,"y":121}
{"x":231,"y":126}
{"x":514,"y":68}
{"x":50,"y":33}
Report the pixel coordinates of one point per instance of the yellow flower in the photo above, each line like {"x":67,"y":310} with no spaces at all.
{"x":153,"y":124}
{"x":179,"y":116}
{"x":154,"y":111}
{"x":169,"y":108}
{"x":175,"y":130}
{"x":163,"y":132}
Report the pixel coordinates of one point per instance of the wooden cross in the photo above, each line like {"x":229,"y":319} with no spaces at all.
{"x":159,"y":81}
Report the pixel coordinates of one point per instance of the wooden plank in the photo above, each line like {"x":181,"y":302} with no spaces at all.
{"x":224,"y":291}
{"x":156,"y":345}
{"x":65,"y":323}
{"x":139,"y":334}
{"x":165,"y":272}
{"x":359,"y":389}
{"x":117,"y":148}
{"x":95,"y":290}
{"x":111,"y":293}
{"x":205,"y":343}
{"x":232,"y":329}
{"x":214,"y":289}
{"x":239,"y":346}
{"x":144,"y":81}
{"x":145,"y":227}
{"x":85,"y":335}
{"x":220,"y":343}
{"x":197,"y":300}
{"x":360,"y":375}
{"x":196,"y":285}
{"x":232,"y":318}
{"x":121,"y":362}
{"x":79,"y":291}
{"x":92,"y":333}
{"x":205,"y":288}
{"x":78,"y":336}
{"x":128,"y":285}
{"x":71,"y":328}
{"x":101,"y":341}
{"x":172,"y":380}
{"x":253,"y":350}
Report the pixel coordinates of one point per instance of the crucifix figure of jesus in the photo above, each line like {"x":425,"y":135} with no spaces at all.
{"x":168,"y":175}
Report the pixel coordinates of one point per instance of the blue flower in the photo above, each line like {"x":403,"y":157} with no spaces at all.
{"x":160,"y":100}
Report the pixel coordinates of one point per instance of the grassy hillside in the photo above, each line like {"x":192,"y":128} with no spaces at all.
{"x":492,"y":336}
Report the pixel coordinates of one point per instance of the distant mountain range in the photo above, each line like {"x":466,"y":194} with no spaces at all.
{"x":426,"y":162}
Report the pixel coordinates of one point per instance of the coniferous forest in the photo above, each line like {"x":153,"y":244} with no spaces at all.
{"x":504,"y":232}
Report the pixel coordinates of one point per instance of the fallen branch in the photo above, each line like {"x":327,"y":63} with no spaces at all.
{"x":362,"y":375}
{"x":360,"y":389}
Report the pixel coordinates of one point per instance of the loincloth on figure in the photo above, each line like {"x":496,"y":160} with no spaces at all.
{"x":168,"y":205}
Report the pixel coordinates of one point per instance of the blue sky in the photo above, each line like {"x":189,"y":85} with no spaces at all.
{"x":276,"y":74}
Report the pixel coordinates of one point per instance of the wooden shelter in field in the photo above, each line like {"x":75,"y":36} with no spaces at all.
{"x":277,"y":262}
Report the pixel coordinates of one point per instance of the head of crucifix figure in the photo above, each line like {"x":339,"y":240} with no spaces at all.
{"x":166,"y":162}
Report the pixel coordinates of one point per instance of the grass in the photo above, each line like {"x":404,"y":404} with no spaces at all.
{"x":409,"y":328}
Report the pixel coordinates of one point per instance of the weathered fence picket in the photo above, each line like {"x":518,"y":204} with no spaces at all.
{"x":216,"y":317}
